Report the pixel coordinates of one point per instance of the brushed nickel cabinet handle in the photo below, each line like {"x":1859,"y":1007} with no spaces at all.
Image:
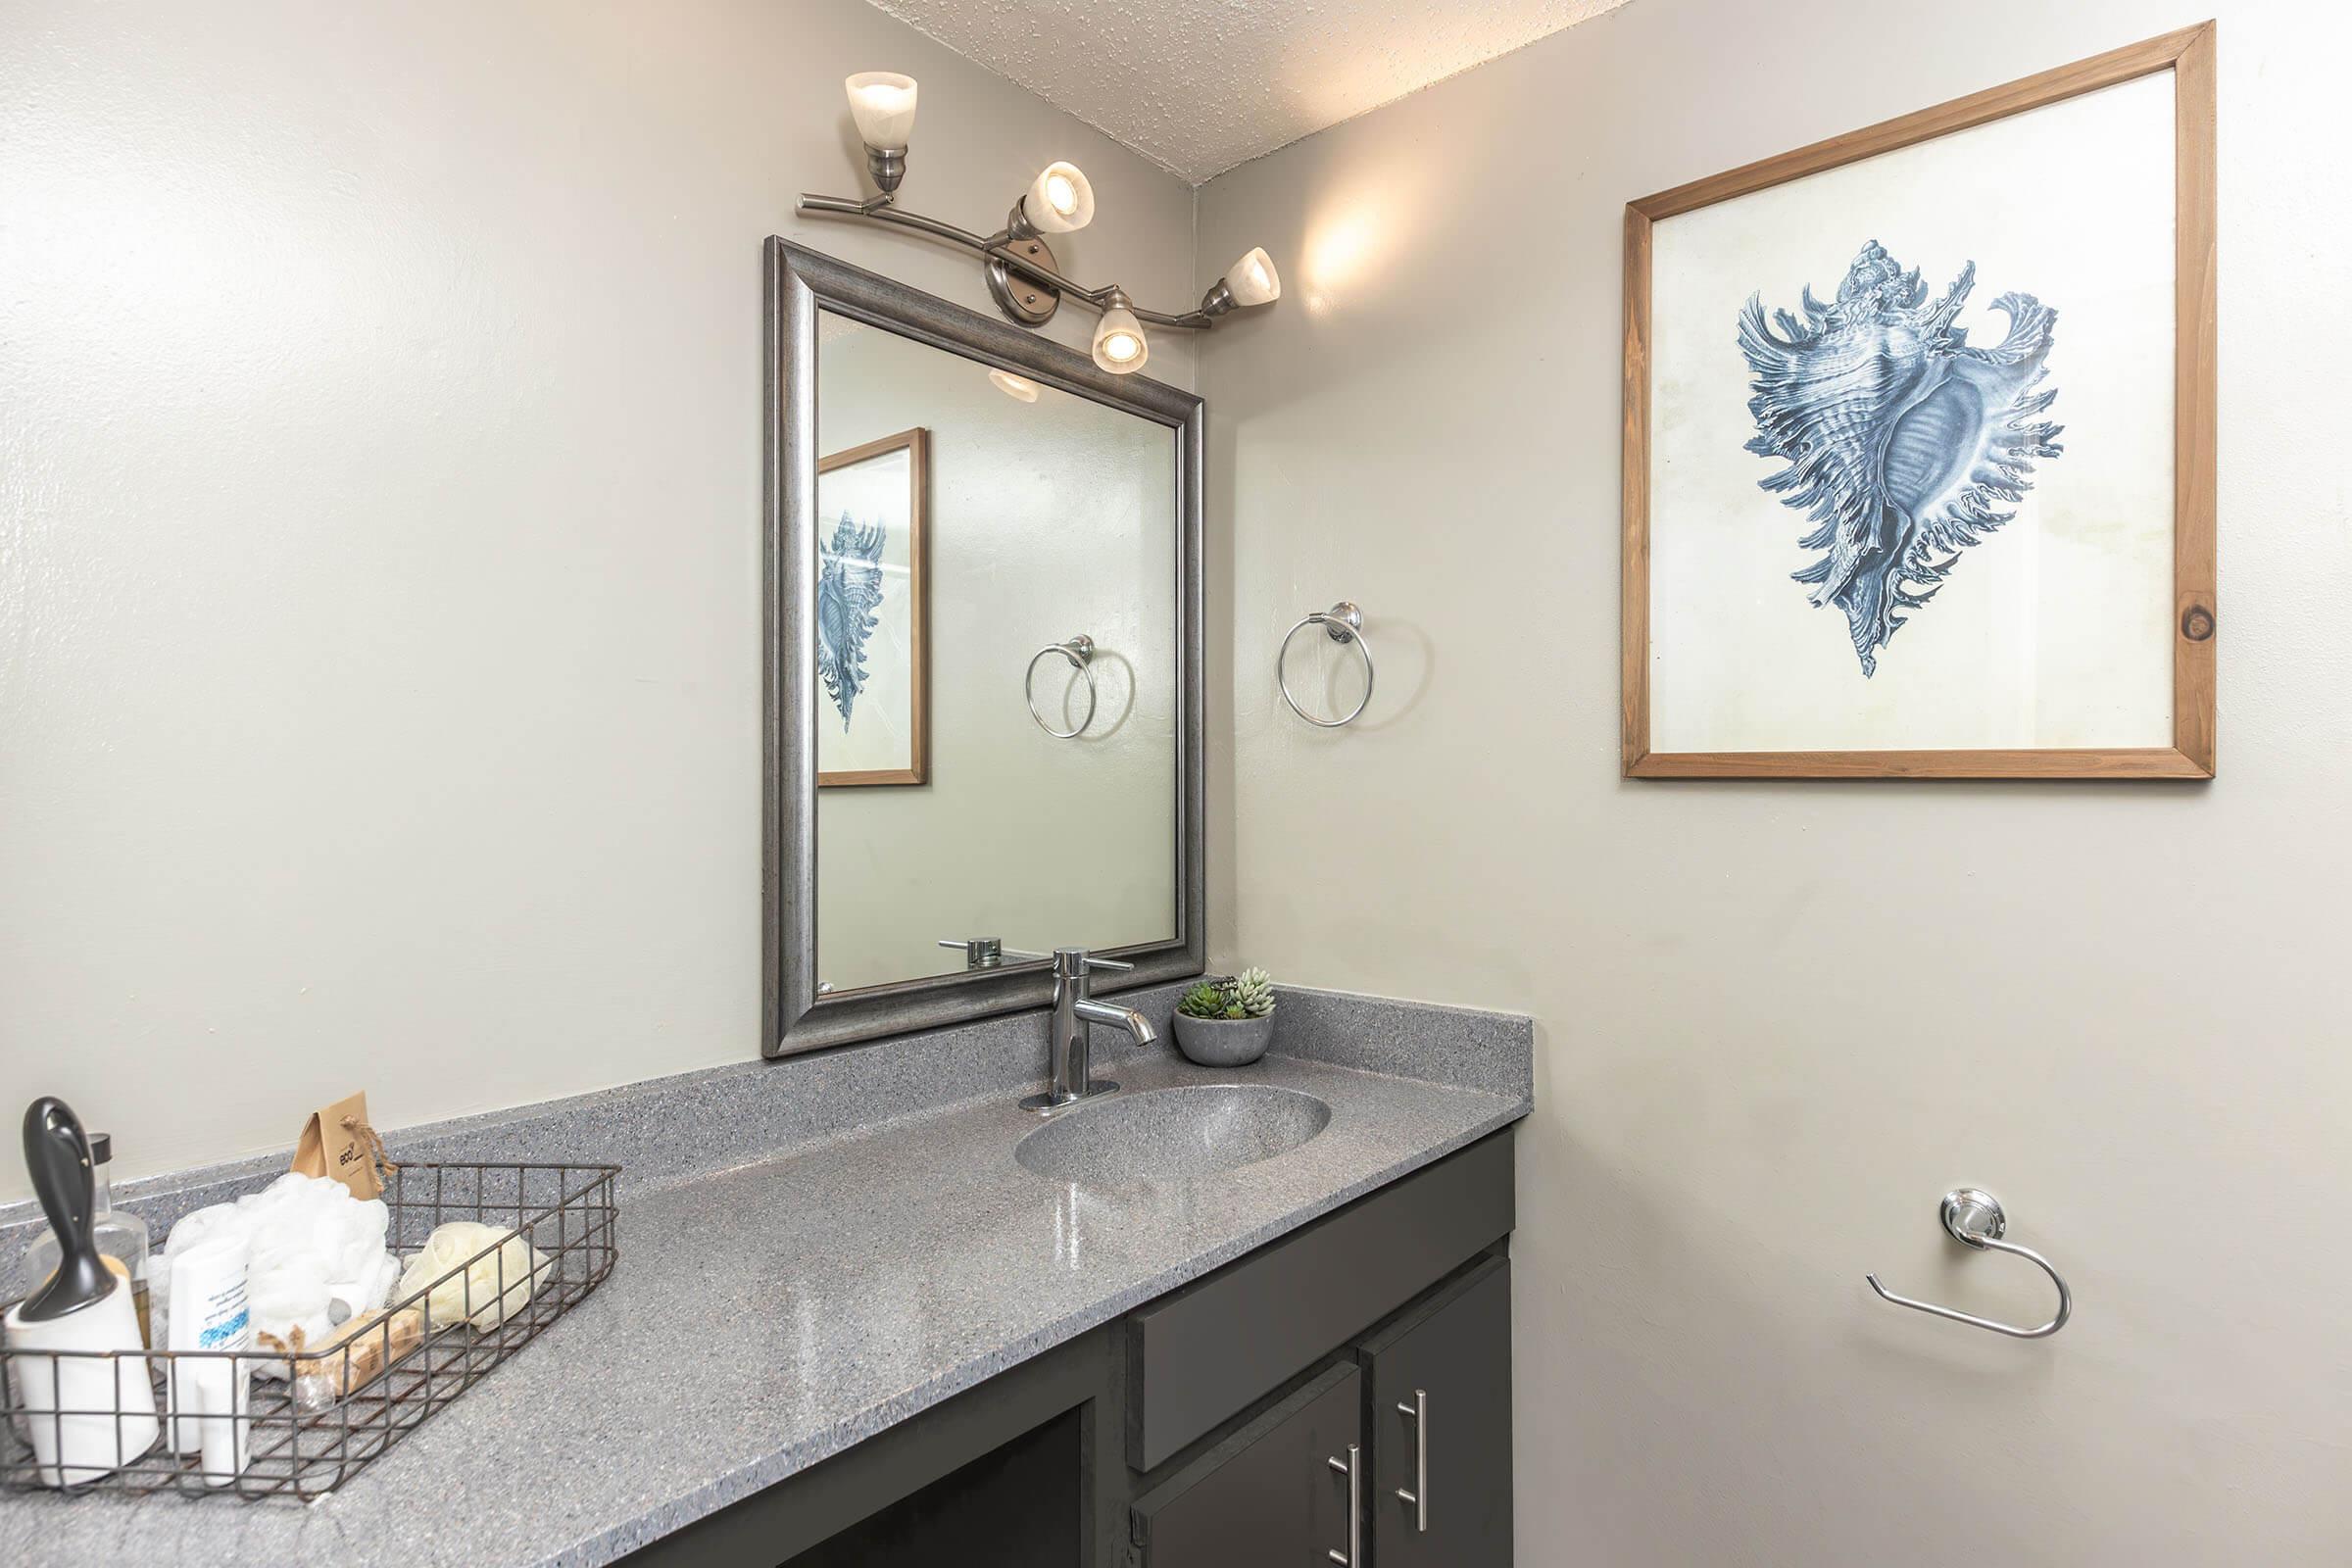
{"x":1353,"y":1469}
{"x":1417,"y":1498}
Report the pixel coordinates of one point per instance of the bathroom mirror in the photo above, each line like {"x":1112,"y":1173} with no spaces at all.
{"x":983,"y":662}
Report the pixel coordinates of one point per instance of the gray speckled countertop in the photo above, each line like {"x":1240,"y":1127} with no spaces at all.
{"x":768,"y":1316}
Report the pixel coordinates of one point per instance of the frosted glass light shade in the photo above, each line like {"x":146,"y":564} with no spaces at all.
{"x":882,"y":102}
{"x":1253,"y":279}
{"x":1019,"y":387}
{"x":1059,"y":200}
{"x":1121,"y":346}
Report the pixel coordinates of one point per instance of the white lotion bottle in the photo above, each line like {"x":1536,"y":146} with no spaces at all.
{"x":210,"y":1390}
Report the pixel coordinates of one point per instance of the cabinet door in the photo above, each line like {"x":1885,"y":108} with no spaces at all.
{"x":1438,"y":1382}
{"x":1269,"y":1493}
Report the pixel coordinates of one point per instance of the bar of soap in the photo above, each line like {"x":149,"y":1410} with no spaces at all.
{"x":354,"y":1356}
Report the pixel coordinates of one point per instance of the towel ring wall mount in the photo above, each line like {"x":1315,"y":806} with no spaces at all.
{"x":1080,"y":652}
{"x":1343,"y":622}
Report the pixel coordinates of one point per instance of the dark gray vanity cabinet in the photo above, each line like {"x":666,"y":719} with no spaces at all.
{"x":1398,"y":1303}
{"x":1412,"y":1422}
{"x":1255,"y":1416}
{"x":1437,"y":1424}
{"x":1205,"y":1352}
{"x":1280,"y":1490}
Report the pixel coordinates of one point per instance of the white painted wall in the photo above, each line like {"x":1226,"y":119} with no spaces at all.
{"x":378,"y":674}
{"x":1045,"y":519}
{"x":380,"y":529}
{"x":1778,"y":1020}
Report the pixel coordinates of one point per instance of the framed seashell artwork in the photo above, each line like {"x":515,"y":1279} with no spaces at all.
{"x":1950,"y":377}
{"x":874,"y":702}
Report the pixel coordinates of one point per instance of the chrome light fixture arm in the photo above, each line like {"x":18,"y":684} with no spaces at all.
{"x":884,"y":208}
{"x":1005,"y":247}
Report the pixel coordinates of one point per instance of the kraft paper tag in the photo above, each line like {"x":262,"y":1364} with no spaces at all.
{"x":338,"y":1141}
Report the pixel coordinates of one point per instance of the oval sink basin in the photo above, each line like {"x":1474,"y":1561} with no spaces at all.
{"x":1171,"y":1133}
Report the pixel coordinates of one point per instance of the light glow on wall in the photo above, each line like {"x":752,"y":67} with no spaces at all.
{"x":1358,"y":234}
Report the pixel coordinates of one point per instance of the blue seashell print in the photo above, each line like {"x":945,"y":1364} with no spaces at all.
{"x":848,"y":590}
{"x":1902,"y":443}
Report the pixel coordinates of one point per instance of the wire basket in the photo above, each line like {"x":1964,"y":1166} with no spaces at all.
{"x":316,"y":1418}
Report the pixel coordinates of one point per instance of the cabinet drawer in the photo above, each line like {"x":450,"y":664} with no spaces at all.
{"x":1199,"y":1354}
{"x":1437,"y":1427}
{"x":1275,"y":1492}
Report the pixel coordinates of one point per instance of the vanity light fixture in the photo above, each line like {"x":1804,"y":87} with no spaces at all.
{"x":1253,"y":280}
{"x":1023,"y":275}
{"x":1119,"y":342}
{"x":882,"y":102}
{"x":1059,"y":200}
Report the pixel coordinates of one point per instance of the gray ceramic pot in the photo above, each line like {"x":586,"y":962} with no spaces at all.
{"x":1224,"y":1041}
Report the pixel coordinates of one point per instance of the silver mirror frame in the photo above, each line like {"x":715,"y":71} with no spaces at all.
{"x":794,"y":1017}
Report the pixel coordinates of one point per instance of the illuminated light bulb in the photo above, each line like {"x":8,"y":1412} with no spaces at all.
{"x":1013,"y":386}
{"x":1059,"y":200}
{"x":882,"y":102}
{"x":1253,"y":279}
{"x":1119,"y":343}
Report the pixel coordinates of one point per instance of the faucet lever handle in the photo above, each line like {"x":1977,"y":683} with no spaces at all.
{"x":1074,"y":962}
{"x":979,"y":953}
{"x":989,"y":952}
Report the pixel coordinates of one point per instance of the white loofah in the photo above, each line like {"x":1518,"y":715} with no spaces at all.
{"x":516,"y":1263}
{"x":314,"y":1249}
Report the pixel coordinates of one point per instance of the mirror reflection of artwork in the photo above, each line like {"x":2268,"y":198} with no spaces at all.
{"x":848,"y":590}
{"x":873,"y":718}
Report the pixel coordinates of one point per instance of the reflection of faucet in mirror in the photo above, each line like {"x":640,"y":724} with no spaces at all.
{"x":1074,"y":1012}
{"x":990,"y":953}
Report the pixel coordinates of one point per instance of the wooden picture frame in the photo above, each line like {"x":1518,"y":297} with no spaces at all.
{"x":916,"y":444}
{"x":2190,"y":55}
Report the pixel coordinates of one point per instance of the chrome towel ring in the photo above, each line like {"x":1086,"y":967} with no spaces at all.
{"x":1974,"y":1219}
{"x":1343,"y":622}
{"x":1080,"y":652}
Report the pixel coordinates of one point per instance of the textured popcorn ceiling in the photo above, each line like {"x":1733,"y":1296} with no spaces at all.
{"x":1200,"y":85}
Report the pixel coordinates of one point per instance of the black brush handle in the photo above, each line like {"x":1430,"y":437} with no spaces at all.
{"x":58,"y":1158}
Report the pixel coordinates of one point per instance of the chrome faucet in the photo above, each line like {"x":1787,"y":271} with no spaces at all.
{"x":1074,"y":1012}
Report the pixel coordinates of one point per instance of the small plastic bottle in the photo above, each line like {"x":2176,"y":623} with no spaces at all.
{"x":120,"y":1235}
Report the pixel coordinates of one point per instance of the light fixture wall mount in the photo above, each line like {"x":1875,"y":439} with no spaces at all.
{"x":1021,"y":296}
{"x":1024,"y":275}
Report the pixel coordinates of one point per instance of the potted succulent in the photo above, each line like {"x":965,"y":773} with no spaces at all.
{"x":1227,"y":1023}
